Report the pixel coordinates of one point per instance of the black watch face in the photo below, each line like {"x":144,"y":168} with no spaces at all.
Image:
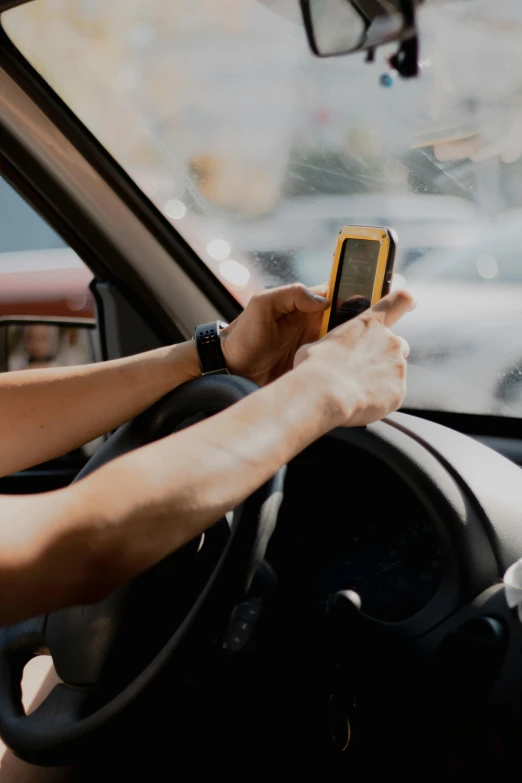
{"x":208,"y":343}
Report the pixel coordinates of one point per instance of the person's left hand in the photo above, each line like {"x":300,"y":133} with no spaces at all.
{"x":262,"y":342}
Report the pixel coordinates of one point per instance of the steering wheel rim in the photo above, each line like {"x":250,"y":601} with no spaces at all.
{"x":65,"y":725}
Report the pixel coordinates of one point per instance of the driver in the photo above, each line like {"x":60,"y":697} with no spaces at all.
{"x":74,"y":545}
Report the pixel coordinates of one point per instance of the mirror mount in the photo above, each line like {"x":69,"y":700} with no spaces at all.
{"x":406,"y":60}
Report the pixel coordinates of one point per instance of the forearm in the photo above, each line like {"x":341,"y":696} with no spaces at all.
{"x":45,"y":413}
{"x":195,"y":476}
{"x":78,"y":543}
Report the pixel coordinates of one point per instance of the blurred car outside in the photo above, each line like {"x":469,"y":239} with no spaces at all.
{"x":465,"y":332}
{"x":298,"y":238}
{"x":49,"y":283}
{"x":39,"y":274}
{"x":295,"y":240}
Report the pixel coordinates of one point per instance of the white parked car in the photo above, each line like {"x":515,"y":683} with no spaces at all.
{"x":422,"y":222}
{"x":466,"y":332}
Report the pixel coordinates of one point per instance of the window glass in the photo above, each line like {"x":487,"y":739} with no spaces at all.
{"x":39,"y":274}
{"x":258,"y":153}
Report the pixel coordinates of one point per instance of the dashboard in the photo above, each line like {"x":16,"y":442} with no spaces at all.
{"x":361,"y":528}
{"x":422,"y":522}
{"x":392,"y":560}
{"x":405,"y":513}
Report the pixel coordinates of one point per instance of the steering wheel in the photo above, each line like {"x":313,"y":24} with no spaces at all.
{"x":94,"y":647}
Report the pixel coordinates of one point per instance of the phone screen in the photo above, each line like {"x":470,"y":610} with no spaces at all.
{"x":355,"y":280}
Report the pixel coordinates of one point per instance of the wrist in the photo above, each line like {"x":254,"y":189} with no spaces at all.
{"x":181,"y":363}
{"x":329,"y":403}
{"x":225,"y":335}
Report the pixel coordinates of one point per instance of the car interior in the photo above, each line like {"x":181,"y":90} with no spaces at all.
{"x":351,"y":616}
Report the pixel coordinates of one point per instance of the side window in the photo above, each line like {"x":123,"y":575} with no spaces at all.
{"x":41,"y":281}
{"x":44,"y":286}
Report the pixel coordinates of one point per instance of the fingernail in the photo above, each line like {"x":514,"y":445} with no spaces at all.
{"x":320,"y":299}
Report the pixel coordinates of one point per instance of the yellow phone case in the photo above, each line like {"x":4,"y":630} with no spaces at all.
{"x":385,"y":259}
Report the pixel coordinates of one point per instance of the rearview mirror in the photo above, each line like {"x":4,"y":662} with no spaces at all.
{"x":336,"y":27}
{"x":35,"y":343}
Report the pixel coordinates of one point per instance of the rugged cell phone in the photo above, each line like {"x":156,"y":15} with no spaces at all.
{"x":361,"y":273}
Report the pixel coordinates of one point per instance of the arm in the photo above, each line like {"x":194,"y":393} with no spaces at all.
{"x":74,"y":545}
{"x":45,"y":413}
{"x":83,"y":540}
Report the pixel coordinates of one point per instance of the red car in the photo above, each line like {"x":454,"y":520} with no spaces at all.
{"x":45,"y":283}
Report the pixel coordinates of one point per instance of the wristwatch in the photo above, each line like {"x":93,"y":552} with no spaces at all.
{"x":208,"y":345}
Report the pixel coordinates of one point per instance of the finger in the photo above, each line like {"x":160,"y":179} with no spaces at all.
{"x":321,"y":289}
{"x":405,"y":348}
{"x":487,"y":151}
{"x":392,"y":307}
{"x":457,"y":149}
{"x":288,"y":299}
{"x":513,"y":144}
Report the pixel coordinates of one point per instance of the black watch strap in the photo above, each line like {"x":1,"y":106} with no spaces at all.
{"x":208,"y":344}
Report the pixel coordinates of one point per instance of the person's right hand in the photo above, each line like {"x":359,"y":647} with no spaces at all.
{"x":361,"y":363}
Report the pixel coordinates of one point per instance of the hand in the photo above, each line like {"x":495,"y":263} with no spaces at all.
{"x":362,"y":364}
{"x":505,"y":142}
{"x":262,"y":342}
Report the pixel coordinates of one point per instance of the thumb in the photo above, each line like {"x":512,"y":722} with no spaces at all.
{"x":392,"y":307}
{"x":309,"y":301}
{"x":288,"y":299}
{"x":321,"y":289}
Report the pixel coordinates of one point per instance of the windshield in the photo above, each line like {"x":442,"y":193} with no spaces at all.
{"x":259,"y":153}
